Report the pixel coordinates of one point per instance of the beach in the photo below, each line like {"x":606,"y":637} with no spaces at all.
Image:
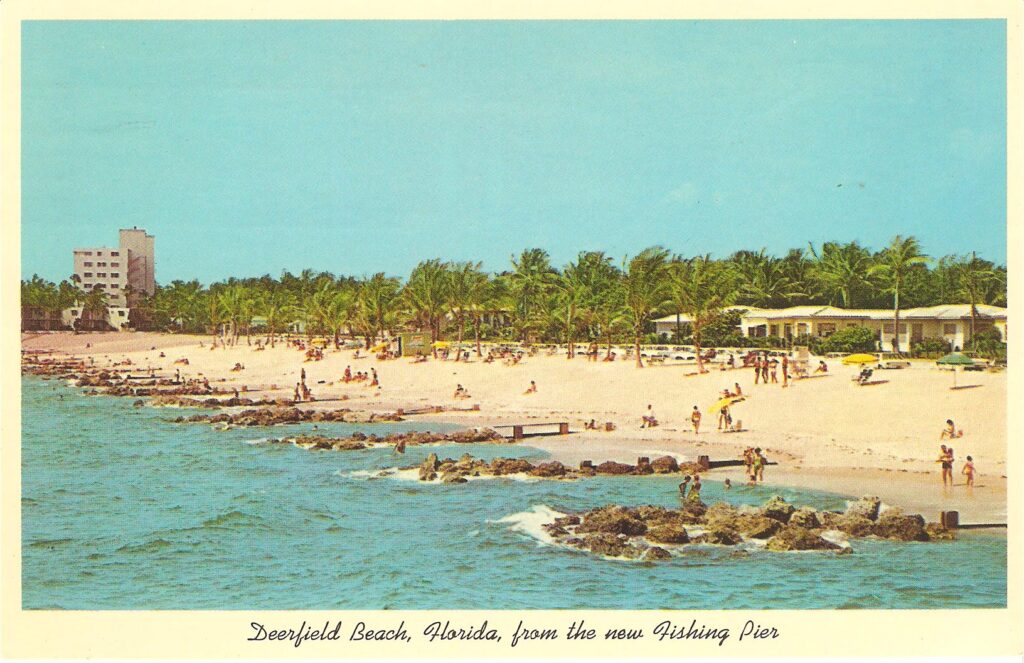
{"x":825,"y":433}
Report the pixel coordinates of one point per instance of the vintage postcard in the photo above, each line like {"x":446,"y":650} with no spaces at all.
{"x":433,"y":332}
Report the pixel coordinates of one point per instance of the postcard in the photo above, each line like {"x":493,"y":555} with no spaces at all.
{"x":565,"y":332}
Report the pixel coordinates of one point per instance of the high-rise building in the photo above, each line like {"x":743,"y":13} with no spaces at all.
{"x":124,"y":273}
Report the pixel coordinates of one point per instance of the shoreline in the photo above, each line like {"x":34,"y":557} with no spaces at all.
{"x":825,"y":434}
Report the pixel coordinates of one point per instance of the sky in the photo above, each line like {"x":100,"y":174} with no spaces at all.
{"x":248,"y":148}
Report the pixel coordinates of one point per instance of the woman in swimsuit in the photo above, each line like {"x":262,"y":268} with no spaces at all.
{"x":946,"y":459}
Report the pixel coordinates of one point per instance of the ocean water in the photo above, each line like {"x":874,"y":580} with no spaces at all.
{"x":122,"y":509}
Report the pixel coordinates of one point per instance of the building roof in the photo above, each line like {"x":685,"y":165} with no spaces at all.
{"x":752,"y":310}
{"x":941,"y":312}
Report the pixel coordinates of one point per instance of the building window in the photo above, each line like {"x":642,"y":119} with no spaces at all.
{"x":101,"y":275}
{"x":888,"y":327}
{"x":773,"y":330}
{"x":88,"y":286}
{"x":99,"y":253}
{"x":88,"y":264}
{"x":114,"y":253}
{"x":88,"y":253}
{"x":114,"y":275}
{"x":74,"y":311}
{"x":115,"y":264}
{"x":121,"y":313}
{"x":949,"y":329}
{"x":88,"y":275}
{"x":826,"y":328}
{"x":101,"y":264}
{"x":114,"y":285}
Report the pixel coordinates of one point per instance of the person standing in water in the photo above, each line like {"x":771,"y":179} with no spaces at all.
{"x":683,"y":485}
{"x":968,"y":471}
{"x":946,"y":460}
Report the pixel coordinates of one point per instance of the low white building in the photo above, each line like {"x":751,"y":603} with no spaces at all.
{"x":951,"y":322}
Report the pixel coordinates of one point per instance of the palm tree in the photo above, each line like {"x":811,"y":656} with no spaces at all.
{"x":427,"y":295}
{"x":645,"y":290}
{"x":700,"y":288}
{"x":377,"y":301}
{"x":530,"y":283}
{"x":467,"y":292}
{"x":892,"y":267}
{"x":94,"y":305}
{"x":339,"y":311}
{"x":763,"y":279}
{"x":278,"y":306}
{"x":974,"y":278}
{"x":570,"y":297}
{"x":841,"y":271}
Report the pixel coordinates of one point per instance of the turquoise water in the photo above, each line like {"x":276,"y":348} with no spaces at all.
{"x":122,"y":509}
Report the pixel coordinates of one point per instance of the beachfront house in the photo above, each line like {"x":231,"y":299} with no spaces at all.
{"x":950,"y":322}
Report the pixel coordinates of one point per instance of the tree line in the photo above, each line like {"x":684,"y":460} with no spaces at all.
{"x":592,"y":299}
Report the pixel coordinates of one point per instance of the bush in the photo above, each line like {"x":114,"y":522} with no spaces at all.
{"x":930,"y":347}
{"x":851,"y":339}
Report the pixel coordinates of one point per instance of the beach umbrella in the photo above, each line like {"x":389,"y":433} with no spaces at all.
{"x":379,"y":347}
{"x":441,"y":344}
{"x":953,"y":360}
{"x":861,"y":358}
{"x":725,"y":402}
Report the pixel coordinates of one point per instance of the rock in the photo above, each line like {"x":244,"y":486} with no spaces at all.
{"x":665,"y":465}
{"x":756,"y":526}
{"x":894,"y":524}
{"x":778,"y":508}
{"x":555,"y":531}
{"x":655,"y":553}
{"x":552,"y":469}
{"x":805,"y":517}
{"x":936,"y":532}
{"x":612,"y":520}
{"x":428,"y":469}
{"x":139,"y":403}
{"x":610,"y":545}
{"x":793,"y":537}
{"x":503,"y":466}
{"x":565,"y":521}
{"x":693,"y":511}
{"x":611,"y":467}
{"x":722,"y":535}
{"x":668,"y":534}
{"x":852,"y":524}
{"x":453,"y":477}
{"x":866,"y":507}
{"x":643,"y":466}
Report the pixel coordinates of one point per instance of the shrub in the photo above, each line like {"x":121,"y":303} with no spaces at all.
{"x":930,"y":346}
{"x":850,"y":339}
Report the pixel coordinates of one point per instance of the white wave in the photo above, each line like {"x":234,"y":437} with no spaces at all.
{"x":258,"y":440}
{"x":657,"y":453}
{"x":835,"y":536}
{"x":532,"y":522}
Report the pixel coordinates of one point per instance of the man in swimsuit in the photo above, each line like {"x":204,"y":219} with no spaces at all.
{"x":946,"y":459}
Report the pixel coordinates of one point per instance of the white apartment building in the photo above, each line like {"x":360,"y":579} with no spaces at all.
{"x":124,"y":273}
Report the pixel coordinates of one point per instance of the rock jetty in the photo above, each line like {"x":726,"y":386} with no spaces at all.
{"x":359,"y":441}
{"x":272,"y":416}
{"x":651,"y":532}
{"x":450,"y":470}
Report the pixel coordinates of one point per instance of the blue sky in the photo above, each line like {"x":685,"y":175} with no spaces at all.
{"x":252,"y":147}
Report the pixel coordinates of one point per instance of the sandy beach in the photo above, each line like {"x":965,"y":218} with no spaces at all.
{"x":824,"y":432}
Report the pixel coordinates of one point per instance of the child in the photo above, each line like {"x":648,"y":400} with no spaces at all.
{"x":695,"y":489}
{"x":969,"y":471}
{"x":727,"y":484}
{"x":532,"y":389}
{"x":683,"y":485}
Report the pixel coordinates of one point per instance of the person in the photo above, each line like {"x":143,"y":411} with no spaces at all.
{"x":758,"y":467}
{"x":400,"y":446}
{"x":459,"y":389}
{"x":950,"y":431}
{"x":297,"y":396}
{"x":727,"y":484}
{"x":969,"y":471}
{"x":532,"y":389}
{"x":694,"y":489}
{"x":739,"y":391}
{"x":946,"y":460}
{"x":822,"y":367}
{"x":723,"y":418}
{"x":774,"y":365}
{"x":683,"y":486}
{"x":695,"y":420}
{"x":348,"y":374}
{"x":757,"y":369}
{"x":649,"y":418}
{"x":764,"y":368}
{"x":785,"y":370}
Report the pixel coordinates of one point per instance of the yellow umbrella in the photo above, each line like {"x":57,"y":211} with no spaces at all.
{"x":861,"y":358}
{"x":379,"y":347}
{"x":725,"y":402}
{"x":441,"y":344}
